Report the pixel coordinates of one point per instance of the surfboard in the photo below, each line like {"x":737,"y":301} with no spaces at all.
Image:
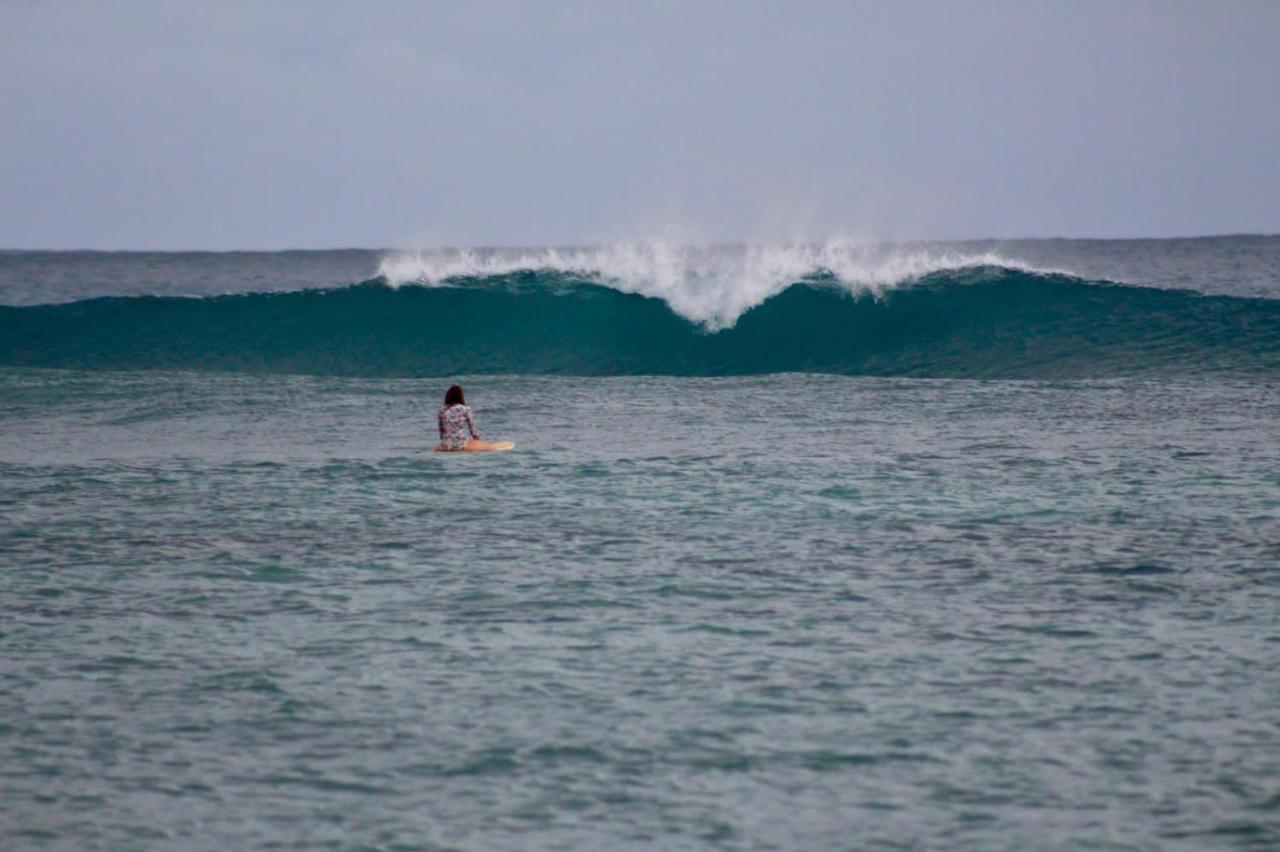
{"x":489,"y":447}
{"x":497,"y":447}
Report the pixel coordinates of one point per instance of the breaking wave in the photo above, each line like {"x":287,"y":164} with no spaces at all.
{"x":712,"y":286}
{"x":610,"y":312}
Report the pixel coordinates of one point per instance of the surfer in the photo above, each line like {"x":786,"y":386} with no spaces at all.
{"x":458,"y":428}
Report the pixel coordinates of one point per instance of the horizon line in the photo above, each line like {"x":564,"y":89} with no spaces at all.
{"x":577,"y":246}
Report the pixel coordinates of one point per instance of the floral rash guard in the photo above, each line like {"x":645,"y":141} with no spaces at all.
{"x":457,"y":427}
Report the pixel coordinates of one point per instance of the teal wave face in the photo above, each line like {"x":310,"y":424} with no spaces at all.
{"x":973,"y":323}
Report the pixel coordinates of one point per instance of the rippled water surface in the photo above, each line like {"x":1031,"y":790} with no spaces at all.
{"x":769,"y":612}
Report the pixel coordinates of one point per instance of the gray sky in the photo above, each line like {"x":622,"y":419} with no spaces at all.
{"x":223,"y":124}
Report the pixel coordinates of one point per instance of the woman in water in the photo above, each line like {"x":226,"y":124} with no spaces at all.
{"x":458,"y":428}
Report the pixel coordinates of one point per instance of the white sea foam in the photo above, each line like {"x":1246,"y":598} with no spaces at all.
{"x":709,"y":285}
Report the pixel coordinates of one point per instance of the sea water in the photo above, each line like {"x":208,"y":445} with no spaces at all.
{"x":952,"y":547}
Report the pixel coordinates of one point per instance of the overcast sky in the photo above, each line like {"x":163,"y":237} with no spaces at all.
{"x":223,"y":124}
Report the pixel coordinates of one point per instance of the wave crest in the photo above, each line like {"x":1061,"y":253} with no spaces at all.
{"x":712,"y":286}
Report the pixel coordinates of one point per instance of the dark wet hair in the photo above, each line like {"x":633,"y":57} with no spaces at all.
{"x":453,"y":396}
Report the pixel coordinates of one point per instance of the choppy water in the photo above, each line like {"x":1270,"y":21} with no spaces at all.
{"x":1012,"y":582}
{"x":782,"y":612}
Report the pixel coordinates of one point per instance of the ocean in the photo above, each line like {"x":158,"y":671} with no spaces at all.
{"x":937,"y":545}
